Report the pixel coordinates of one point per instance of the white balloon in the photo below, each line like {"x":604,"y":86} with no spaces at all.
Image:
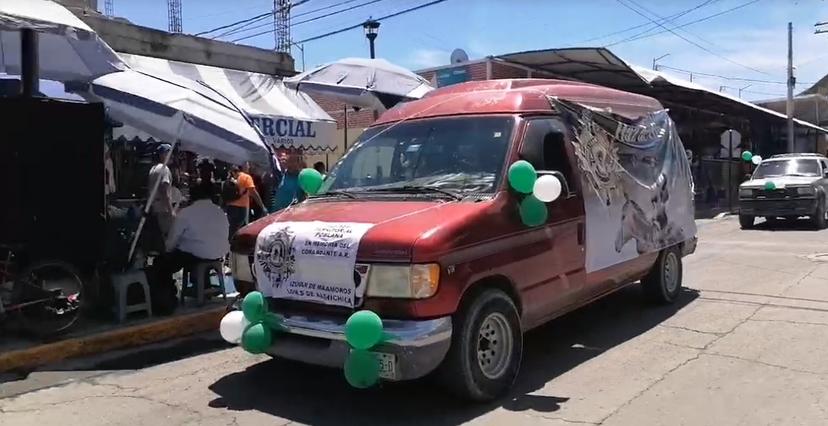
{"x":547,"y":188}
{"x":232,"y":326}
{"x":756,"y":159}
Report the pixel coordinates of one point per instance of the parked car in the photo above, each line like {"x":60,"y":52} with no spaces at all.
{"x":420,"y":222}
{"x":788,"y":186}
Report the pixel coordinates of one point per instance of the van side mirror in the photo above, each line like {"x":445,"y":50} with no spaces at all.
{"x":565,"y":192}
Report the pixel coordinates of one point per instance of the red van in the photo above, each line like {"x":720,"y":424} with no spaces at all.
{"x":420,"y":223}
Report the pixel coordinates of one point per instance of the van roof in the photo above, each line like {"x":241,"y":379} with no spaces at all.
{"x":518,"y":96}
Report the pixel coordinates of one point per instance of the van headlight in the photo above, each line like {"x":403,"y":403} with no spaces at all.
{"x":805,"y":190}
{"x":240,"y":265}
{"x":745,"y":193}
{"x":403,"y":281}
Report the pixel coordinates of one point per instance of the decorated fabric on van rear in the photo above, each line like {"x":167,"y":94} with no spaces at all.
{"x":637,"y":183}
{"x":311,"y":262}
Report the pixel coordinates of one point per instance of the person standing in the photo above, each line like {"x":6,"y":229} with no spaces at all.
{"x":161,"y":206}
{"x":238,"y":208}
{"x":289,"y":191}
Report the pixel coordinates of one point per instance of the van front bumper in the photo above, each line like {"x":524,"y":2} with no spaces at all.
{"x":418,"y":346}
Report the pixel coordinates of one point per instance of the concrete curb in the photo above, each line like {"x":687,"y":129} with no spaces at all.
{"x":152,"y":332}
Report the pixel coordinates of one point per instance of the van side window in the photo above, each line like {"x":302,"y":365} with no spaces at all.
{"x":544,"y":145}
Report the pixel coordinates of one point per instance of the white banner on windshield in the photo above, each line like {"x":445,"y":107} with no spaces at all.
{"x":310,"y":261}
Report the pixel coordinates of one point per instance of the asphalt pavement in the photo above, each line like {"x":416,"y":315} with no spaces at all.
{"x":744,"y":345}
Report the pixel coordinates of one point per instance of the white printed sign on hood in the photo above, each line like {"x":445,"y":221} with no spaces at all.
{"x":310,"y":262}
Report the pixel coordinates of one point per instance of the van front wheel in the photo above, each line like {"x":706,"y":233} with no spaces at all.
{"x":663,"y":283}
{"x":486,"y":348}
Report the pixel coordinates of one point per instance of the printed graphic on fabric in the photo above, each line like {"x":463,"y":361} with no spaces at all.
{"x":597,"y":157}
{"x":277,"y":257}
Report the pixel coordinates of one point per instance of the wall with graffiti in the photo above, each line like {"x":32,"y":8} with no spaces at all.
{"x":638,"y":188}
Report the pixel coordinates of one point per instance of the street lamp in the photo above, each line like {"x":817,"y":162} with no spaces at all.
{"x":743,"y":88}
{"x":371,"y":28}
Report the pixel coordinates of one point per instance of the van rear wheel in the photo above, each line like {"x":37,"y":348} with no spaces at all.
{"x":746,"y":221}
{"x":486,"y":348}
{"x":663,"y":284}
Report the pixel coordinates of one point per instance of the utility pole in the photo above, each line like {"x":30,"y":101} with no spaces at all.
{"x":791,"y":84}
{"x":655,"y":66}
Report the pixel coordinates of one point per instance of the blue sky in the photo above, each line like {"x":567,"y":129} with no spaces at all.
{"x":752,"y":38}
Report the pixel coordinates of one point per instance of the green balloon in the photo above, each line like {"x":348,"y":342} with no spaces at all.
{"x":533,"y":211}
{"x":310,"y":180}
{"x":770,"y":186}
{"x":522,"y":176}
{"x":362,"y":369}
{"x":256,"y":339}
{"x":253,"y":307}
{"x":747,"y":155}
{"x":363,"y":329}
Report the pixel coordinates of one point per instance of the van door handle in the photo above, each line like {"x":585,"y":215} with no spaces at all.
{"x":581,"y":233}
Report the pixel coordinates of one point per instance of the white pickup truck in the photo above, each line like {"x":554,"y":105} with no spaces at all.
{"x":788,"y":186}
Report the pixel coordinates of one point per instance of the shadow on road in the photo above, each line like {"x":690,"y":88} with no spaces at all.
{"x":314,"y":395}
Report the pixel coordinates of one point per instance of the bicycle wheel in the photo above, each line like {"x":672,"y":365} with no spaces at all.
{"x":49,"y":293}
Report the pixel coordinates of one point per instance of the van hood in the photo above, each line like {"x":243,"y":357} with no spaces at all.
{"x":780,"y":181}
{"x":397,"y":225}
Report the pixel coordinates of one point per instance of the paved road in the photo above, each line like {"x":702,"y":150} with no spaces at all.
{"x":746,"y":345}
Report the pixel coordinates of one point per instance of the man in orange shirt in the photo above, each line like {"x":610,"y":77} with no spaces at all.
{"x":238,"y":209}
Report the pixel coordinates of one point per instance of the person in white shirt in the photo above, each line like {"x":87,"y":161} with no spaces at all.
{"x":161,"y":205}
{"x":198,"y":233}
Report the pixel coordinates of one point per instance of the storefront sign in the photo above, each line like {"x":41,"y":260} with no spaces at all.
{"x":310,"y":261}
{"x":282,"y":132}
{"x":447,"y":77}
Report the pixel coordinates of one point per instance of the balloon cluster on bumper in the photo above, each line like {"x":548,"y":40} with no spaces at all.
{"x":253,"y":328}
{"x":523,"y":178}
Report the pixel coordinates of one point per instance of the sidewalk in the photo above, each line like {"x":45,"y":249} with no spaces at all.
{"x":95,"y":336}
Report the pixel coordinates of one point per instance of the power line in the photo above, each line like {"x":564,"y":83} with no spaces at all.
{"x":650,"y":24}
{"x":257,"y":17}
{"x":242,"y":27}
{"x":691,"y":41}
{"x":642,"y":36}
{"x":323,"y":8}
{"x":342,"y":30}
{"x":655,"y":27}
{"x":723,"y":77}
{"x":297,"y":23}
{"x":335,"y":12}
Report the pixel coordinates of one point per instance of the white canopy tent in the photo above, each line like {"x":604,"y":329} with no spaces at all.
{"x":286,"y":118}
{"x":68,"y":50}
{"x":368,"y":83}
{"x":174,"y":109}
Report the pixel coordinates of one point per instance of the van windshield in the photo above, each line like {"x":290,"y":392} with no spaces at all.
{"x":460,"y":155}
{"x":793,"y":167}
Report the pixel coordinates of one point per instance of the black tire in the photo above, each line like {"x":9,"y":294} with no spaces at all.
{"x":746,"y":222}
{"x":461,"y":371}
{"x":59,"y":286}
{"x":819,"y":219}
{"x":663,"y":284}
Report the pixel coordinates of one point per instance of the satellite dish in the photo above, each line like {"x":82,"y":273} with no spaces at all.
{"x":458,"y":56}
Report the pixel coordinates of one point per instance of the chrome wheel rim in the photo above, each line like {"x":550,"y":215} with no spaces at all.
{"x":494,"y":345}
{"x":671,"y":272}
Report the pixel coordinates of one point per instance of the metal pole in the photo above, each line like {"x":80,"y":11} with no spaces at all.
{"x":29,"y":69}
{"x":302,"y":49}
{"x":371,"y":43}
{"x":730,"y":171}
{"x":791,"y":83}
{"x":345,"y":127}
